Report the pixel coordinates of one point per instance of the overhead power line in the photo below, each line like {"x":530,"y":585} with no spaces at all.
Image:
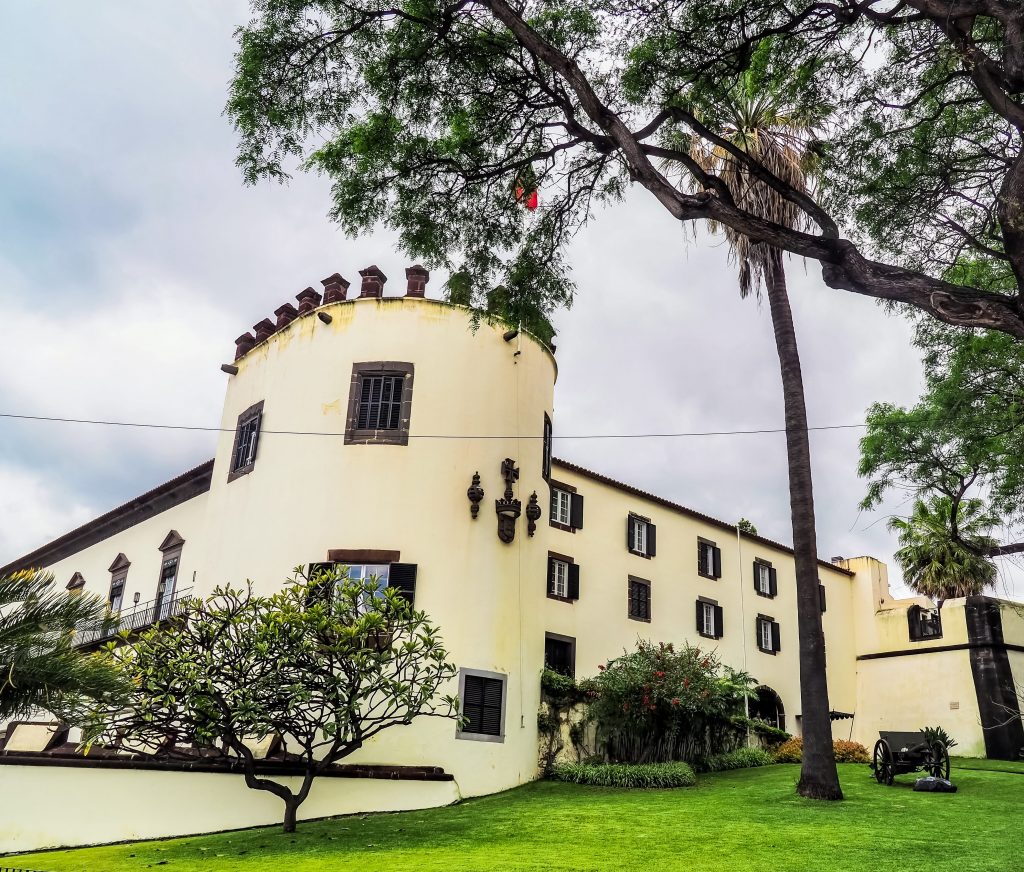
{"x":146,"y":426}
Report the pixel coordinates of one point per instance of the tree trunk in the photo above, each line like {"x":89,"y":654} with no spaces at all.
{"x":819,"y":778}
{"x":291,"y":808}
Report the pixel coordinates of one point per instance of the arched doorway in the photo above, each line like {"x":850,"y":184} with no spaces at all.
{"x":766,"y":705}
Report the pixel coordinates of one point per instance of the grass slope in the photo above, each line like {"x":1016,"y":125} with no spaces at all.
{"x":746,"y":819}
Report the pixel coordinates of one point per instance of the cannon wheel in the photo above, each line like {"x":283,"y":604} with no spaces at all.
{"x":937,"y":760}
{"x":882,"y":762}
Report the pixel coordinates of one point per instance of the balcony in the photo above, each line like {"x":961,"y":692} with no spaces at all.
{"x":136,"y":619}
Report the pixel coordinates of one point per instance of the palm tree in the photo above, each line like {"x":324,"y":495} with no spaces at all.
{"x":40,"y":667}
{"x":777,"y":137}
{"x":936,"y":564}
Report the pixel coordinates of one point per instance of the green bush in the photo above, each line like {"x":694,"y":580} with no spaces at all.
{"x":741,"y":758}
{"x":627,"y":774}
{"x":846,"y":752}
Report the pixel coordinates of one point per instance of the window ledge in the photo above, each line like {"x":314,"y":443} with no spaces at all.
{"x":559,"y":526}
{"x":640,"y":554}
{"x":238,"y":473}
{"x":765,"y":595}
{"x":767,"y":651}
{"x":641,"y":620}
{"x":707,"y":635}
{"x":561,"y":599}
{"x":710,"y":577}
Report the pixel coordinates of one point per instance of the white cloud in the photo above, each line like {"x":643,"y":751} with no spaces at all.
{"x":33,"y":509}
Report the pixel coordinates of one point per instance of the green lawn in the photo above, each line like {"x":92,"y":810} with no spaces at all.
{"x":742,"y":820}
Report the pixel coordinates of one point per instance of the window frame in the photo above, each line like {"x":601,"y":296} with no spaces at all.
{"x":354,"y":435}
{"x":546,"y":447}
{"x":770,"y":573}
{"x":716,"y":552}
{"x":119,"y":580}
{"x":460,"y":733}
{"x":566,"y":640}
{"x":567,"y":491}
{"x":641,"y":582}
{"x":571,"y":569}
{"x":717,"y":618}
{"x":761,"y":622}
{"x":635,"y":521}
{"x":253,"y":413}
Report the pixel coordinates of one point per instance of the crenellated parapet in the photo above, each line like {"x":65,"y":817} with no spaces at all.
{"x":335,"y":291}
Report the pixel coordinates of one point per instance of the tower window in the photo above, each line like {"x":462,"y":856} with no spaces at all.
{"x":379,"y":403}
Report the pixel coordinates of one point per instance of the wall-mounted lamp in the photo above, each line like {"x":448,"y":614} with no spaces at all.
{"x":135,"y":599}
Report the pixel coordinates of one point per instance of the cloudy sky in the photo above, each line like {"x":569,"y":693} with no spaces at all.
{"x":131,"y":255}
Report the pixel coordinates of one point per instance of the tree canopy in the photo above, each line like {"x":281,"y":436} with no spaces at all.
{"x":325,"y":664}
{"x":432,"y":117}
{"x":962,"y":441}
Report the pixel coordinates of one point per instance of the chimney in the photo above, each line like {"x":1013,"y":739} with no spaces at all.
{"x":264,"y":330}
{"x":244,"y":344}
{"x":373,"y":282}
{"x":285,"y":315}
{"x":308,"y":300}
{"x":417,"y":278}
{"x":335,"y":288}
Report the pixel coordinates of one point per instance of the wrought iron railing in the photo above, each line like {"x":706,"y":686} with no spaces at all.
{"x":137,"y":618}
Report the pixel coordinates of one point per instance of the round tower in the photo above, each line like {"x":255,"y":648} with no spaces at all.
{"x":354,"y":425}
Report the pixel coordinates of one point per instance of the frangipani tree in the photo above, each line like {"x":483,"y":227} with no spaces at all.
{"x":326,"y":664}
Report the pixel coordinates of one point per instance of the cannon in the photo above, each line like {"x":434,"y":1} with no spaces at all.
{"x":900,"y":753}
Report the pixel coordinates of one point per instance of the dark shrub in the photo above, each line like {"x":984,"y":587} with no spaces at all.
{"x":741,"y":758}
{"x":641,"y":775}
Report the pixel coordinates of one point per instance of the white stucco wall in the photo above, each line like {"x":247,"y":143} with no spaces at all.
{"x":47,"y":807}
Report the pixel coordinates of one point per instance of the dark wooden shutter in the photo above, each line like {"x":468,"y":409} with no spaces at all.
{"x":775,"y":638}
{"x":472,"y":703}
{"x":700,"y":617}
{"x":757,"y":576}
{"x":717,"y":569}
{"x":576,"y":512}
{"x":914,"y":623}
{"x":702,"y":559}
{"x":402,"y":577}
{"x":652,"y":540}
{"x":773,"y":582}
{"x":551,"y":575}
{"x":821,"y":596}
{"x":574,"y":581}
{"x":719,"y":622}
{"x":630,"y":534}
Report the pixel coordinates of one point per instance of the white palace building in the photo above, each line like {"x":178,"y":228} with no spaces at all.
{"x":573,"y":570}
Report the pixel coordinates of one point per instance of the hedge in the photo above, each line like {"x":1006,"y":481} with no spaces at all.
{"x":641,"y":775}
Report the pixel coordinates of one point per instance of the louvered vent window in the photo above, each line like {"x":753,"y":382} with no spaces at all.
{"x":380,"y":402}
{"x":481,"y":705}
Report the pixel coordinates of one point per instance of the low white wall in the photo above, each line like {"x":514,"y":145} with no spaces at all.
{"x":53,"y":806}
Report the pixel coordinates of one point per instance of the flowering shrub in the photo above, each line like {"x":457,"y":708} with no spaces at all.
{"x":850,"y":752}
{"x":792,"y":751}
{"x":661,"y":703}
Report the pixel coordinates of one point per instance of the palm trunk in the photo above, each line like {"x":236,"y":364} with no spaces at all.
{"x":819,"y":778}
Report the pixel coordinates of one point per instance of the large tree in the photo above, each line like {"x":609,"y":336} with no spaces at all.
{"x":428,"y":115}
{"x":326,"y":664}
{"x":41,"y":667}
{"x":435,"y":117}
{"x":961,"y":444}
{"x":755,"y":121}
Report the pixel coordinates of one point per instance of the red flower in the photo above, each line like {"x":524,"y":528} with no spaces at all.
{"x":625,"y":706}
{"x":686,"y":682}
{"x":675,"y":700}
{"x":660,"y":674}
